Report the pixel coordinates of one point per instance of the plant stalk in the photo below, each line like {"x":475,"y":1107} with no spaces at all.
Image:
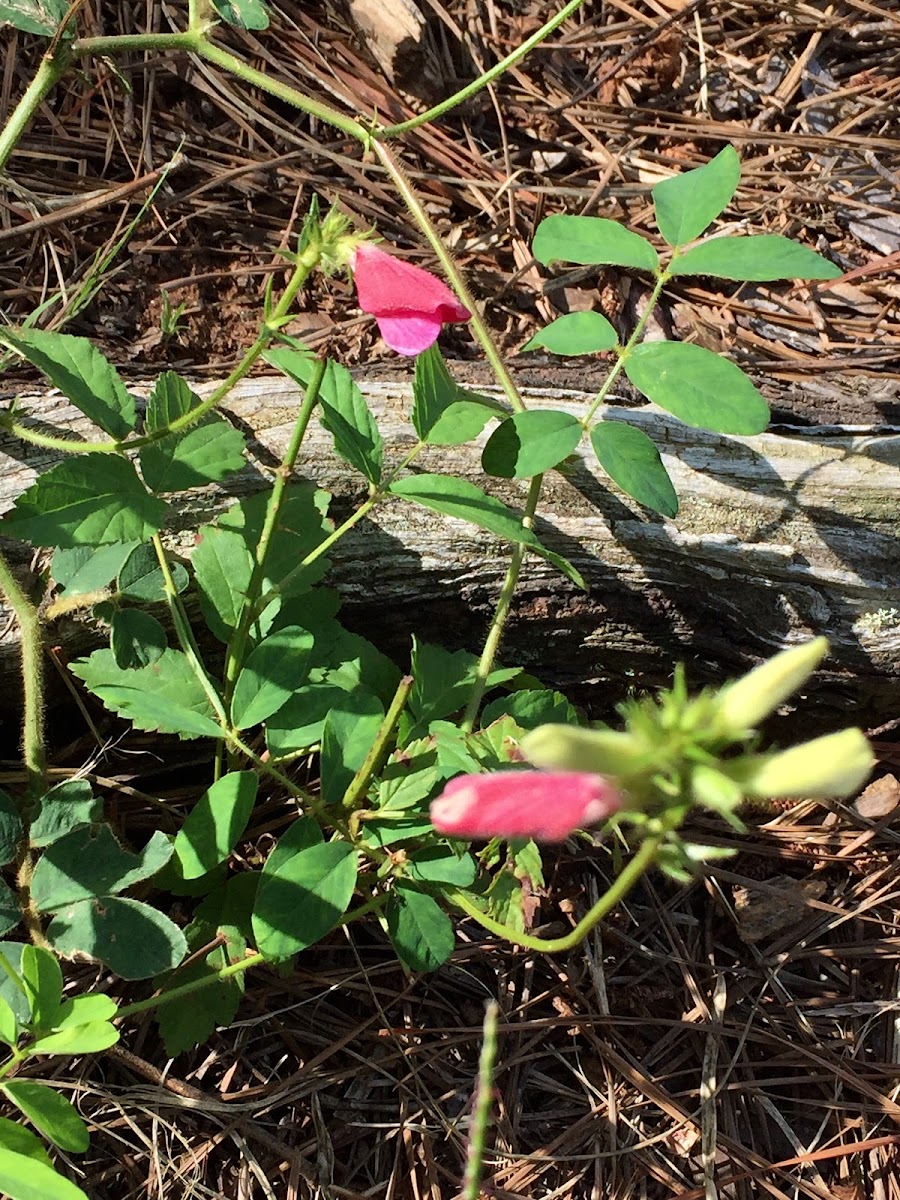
{"x":501,"y":612}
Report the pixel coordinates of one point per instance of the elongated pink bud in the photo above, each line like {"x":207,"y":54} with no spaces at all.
{"x":544,"y":805}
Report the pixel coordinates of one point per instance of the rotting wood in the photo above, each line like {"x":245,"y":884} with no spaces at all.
{"x":778,"y":537}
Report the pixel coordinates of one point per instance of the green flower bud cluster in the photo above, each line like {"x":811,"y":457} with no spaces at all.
{"x":681,"y":750}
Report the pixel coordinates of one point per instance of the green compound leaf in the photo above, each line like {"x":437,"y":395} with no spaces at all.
{"x":88,"y":568}
{"x":697,"y":386}
{"x":420,"y":930}
{"x":50,"y":1112}
{"x":90,"y":500}
{"x":165,"y":697}
{"x":303,"y":898}
{"x":592,"y":240}
{"x":82,"y":374}
{"x":272,"y":672}
{"x":68,"y":806}
{"x":33,"y":16}
{"x":9,"y":1027}
{"x":529,"y":443}
{"x":759,"y":258}
{"x":132,"y":939}
{"x":10,"y":828}
{"x":207,"y":452}
{"x":222,"y":568}
{"x":444,"y":413}
{"x":343,"y":409}
{"x":136,"y":639}
{"x":19,"y":1140}
{"x":347,"y":736}
{"x":460,"y":422}
{"x":302,"y":524}
{"x":83,"y":865}
{"x":245,"y":14}
{"x":215,"y":823}
{"x":441,"y":864}
{"x":85,"y":1010}
{"x":43,"y":980}
{"x":631,"y":459}
{"x":299,"y":723}
{"x":688,"y":203}
{"x":13,"y":992}
{"x":530,"y":709}
{"x":24,"y":1178}
{"x":141,"y":577}
{"x":459,"y":498}
{"x":444,"y":680}
{"x":576,"y":333}
{"x":89,"y":1038}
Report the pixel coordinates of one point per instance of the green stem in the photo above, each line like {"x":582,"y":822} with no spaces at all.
{"x":322,"y":548}
{"x":501,"y":612}
{"x":195,"y":985}
{"x":121,"y":43}
{"x":488,"y":77}
{"x":453,"y":273}
{"x":614,"y":895}
{"x":380,"y":747}
{"x":33,"y":747}
{"x":484,"y":1093}
{"x":282,"y":91}
{"x":637,"y":333}
{"x":52,"y":68}
{"x":185,"y":634}
{"x":234,"y":655}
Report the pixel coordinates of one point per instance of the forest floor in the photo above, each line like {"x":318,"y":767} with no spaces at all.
{"x":742,"y":1029}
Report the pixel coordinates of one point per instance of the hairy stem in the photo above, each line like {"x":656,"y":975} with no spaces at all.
{"x":380,"y":747}
{"x":53,"y":67}
{"x":484,"y":1092}
{"x":34,"y":752}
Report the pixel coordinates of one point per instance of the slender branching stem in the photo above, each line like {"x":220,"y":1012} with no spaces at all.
{"x":501,"y":612}
{"x":52,"y":68}
{"x":471,"y":89}
{"x":452,"y":271}
{"x":234,"y":655}
{"x":617,"y":891}
{"x":380,"y":748}
{"x":636,"y":335}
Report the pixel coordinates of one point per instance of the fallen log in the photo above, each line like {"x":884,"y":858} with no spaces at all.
{"x":779,"y":537}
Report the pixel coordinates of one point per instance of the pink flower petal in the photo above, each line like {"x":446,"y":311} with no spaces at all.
{"x":545,"y":805}
{"x":409,"y":304}
{"x":409,"y":334}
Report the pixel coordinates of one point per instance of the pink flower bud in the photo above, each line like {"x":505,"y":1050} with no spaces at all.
{"x":545,"y":805}
{"x":409,"y":304}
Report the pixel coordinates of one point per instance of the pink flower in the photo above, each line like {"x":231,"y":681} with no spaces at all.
{"x":545,"y":805}
{"x":409,"y":304}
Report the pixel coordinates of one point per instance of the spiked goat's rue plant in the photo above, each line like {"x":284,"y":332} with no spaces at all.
{"x":411,"y":764}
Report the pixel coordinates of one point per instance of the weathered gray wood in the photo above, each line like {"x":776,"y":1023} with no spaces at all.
{"x":778,"y":538}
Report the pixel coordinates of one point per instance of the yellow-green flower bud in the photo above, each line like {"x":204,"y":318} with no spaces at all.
{"x":744,"y":703}
{"x":714,"y":790}
{"x":597,"y":751}
{"x":835,"y":765}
